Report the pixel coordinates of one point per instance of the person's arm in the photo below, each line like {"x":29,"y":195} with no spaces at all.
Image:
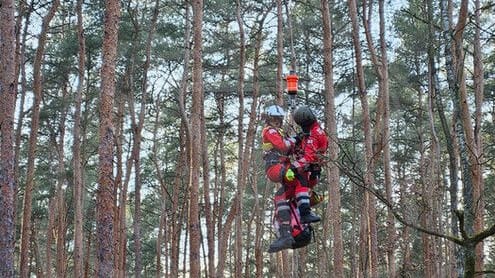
{"x":279,"y":143}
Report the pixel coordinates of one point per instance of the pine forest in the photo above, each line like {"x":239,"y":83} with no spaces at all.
{"x":133,"y":144}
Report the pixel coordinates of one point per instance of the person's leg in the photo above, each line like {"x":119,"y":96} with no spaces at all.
{"x":285,"y":240}
{"x":303,"y":203}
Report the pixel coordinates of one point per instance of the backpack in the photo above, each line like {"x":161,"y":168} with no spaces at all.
{"x":302,"y":233}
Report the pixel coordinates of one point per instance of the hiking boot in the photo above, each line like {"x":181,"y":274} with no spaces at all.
{"x":310,"y":217}
{"x":285,"y":241}
{"x":281,"y":243}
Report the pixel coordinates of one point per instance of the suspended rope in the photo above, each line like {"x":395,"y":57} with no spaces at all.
{"x":292,"y":78}
{"x":293,"y":60}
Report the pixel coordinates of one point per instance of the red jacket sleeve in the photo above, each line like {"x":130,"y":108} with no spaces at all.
{"x":277,"y":140}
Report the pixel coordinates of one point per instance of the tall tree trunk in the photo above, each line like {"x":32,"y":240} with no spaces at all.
{"x":136,"y":149}
{"x":479,"y":187}
{"x":434,"y":180}
{"x":233,"y":213}
{"x":8,"y":88}
{"x":426,"y":198}
{"x":59,"y":195}
{"x":76,"y":149}
{"x":49,"y":237}
{"x":23,"y":85}
{"x":185,"y":149}
{"x":368,"y":237}
{"x":105,"y":192}
{"x":33,"y":138}
{"x":90,"y":213}
{"x":405,"y":244}
{"x":196,"y":114}
{"x":446,"y":11}
{"x":470,"y":164}
{"x":382,"y":129}
{"x":333,"y":207}
{"x":240,"y":150}
{"x":385,"y":141}
{"x":36,"y":251}
{"x":120,"y":188}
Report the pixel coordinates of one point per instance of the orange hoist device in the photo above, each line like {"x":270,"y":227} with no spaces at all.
{"x":291,"y":80}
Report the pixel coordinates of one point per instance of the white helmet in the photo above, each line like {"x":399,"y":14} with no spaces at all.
{"x":275,"y":111}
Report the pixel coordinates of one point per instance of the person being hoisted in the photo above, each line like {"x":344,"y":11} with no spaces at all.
{"x":313,"y":146}
{"x":277,"y":147}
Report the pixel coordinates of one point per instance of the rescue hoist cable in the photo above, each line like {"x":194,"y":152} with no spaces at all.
{"x":293,"y":61}
{"x":292,"y":78}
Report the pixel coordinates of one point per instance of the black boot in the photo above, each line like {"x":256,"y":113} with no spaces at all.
{"x":285,"y":241}
{"x":307,"y":216}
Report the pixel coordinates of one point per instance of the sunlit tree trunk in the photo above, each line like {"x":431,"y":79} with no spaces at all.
{"x":33,"y":139}
{"x":105,"y":195}
{"x":334,"y":207}
{"x":8,"y":90}
{"x":469,"y":153}
{"x":196,"y":148}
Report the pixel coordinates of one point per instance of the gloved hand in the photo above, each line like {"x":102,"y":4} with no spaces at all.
{"x":290,"y":175}
{"x":297,"y":168}
{"x":297,"y":139}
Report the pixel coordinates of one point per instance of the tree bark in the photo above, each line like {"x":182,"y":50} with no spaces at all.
{"x":8,"y":90}
{"x":242,"y":165}
{"x":33,"y":138}
{"x":382,"y":129}
{"x":479,"y":186}
{"x":49,"y":237}
{"x":105,"y":192}
{"x":471,"y":170}
{"x":334,"y":206}
{"x":136,"y":149}
{"x":368,"y":237}
{"x":61,"y":206}
{"x":196,"y":122}
{"x":76,"y":150}
{"x":185,"y":136}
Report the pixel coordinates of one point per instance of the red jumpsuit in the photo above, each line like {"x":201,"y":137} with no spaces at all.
{"x":312,"y":149}
{"x":277,"y":162}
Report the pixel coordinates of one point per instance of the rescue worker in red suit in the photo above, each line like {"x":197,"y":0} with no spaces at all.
{"x":277,"y":150}
{"x":312,"y":148}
